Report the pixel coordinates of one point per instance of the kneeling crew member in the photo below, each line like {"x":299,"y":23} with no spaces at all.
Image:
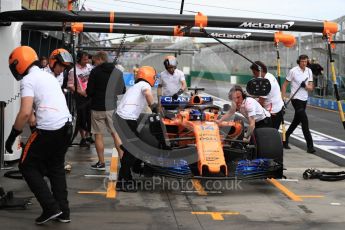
{"x":257,"y":116}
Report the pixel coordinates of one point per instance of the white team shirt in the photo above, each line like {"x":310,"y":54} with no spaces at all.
{"x":273,"y":101}
{"x":133,"y":101}
{"x":251,"y":108}
{"x":83,"y":74}
{"x":171,"y":83}
{"x":296,"y":75}
{"x":49,"y":102}
{"x":59,"y":78}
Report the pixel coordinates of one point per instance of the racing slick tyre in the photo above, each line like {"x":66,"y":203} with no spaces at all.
{"x":268,"y":144}
{"x":144,"y":131}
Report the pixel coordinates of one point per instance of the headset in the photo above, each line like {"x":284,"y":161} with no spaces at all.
{"x":301,"y":57}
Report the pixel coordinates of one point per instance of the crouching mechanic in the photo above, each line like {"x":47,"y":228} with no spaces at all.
{"x":172,"y":81}
{"x":44,"y":152}
{"x":256,"y":115}
{"x":131,"y":105}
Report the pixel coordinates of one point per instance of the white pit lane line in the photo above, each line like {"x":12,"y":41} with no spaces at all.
{"x":331,"y":144}
{"x":322,"y":141}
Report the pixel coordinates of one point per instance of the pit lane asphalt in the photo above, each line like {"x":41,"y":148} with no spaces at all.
{"x":293,"y":203}
{"x":169,"y":204}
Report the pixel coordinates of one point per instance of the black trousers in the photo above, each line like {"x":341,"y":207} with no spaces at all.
{"x":44,"y":155}
{"x":300,"y":117}
{"x":83,"y":113}
{"x":277,"y":119}
{"x":127,"y":160}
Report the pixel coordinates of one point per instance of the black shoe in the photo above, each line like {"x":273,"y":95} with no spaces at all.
{"x":63,"y":218}
{"x":98,"y":166}
{"x":286,"y":145}
{"x":83,"y":143}
{"x":311,"y":150}
{"x":90,"y":140}
{"x":46,"y":216}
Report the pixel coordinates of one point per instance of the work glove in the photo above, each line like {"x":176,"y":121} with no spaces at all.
{"x":154,"y":108}
{"x":11,"y":138}
{"x":303,"y":85}
{"x":175,"y":96}
{"x":246,"y":136}
{"x":246,"y":139}
{"x":285,"y":100}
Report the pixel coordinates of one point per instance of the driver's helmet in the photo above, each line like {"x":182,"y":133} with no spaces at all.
{"x":195,"y":115}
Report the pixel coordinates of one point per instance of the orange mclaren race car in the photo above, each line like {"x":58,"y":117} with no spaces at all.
{"x":185,"y":141}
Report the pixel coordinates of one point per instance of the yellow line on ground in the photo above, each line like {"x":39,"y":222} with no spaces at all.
{"x":111,"y":191}
{"x":113,"y":165}
{"x":96,"y":158}
{"x":90,"y":192}
{"x":216,"y":215}
{"x":198,"y":187}
{"x":311,"y":196}
{"x":285,"y":190}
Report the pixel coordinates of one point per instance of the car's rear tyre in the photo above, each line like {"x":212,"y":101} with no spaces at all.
{"x":144,"y":131}
{"x":268,"y":144}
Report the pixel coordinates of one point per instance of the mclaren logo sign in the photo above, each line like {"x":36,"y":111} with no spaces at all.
{"x":259,"y":25}
{"x":231,"y":36}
